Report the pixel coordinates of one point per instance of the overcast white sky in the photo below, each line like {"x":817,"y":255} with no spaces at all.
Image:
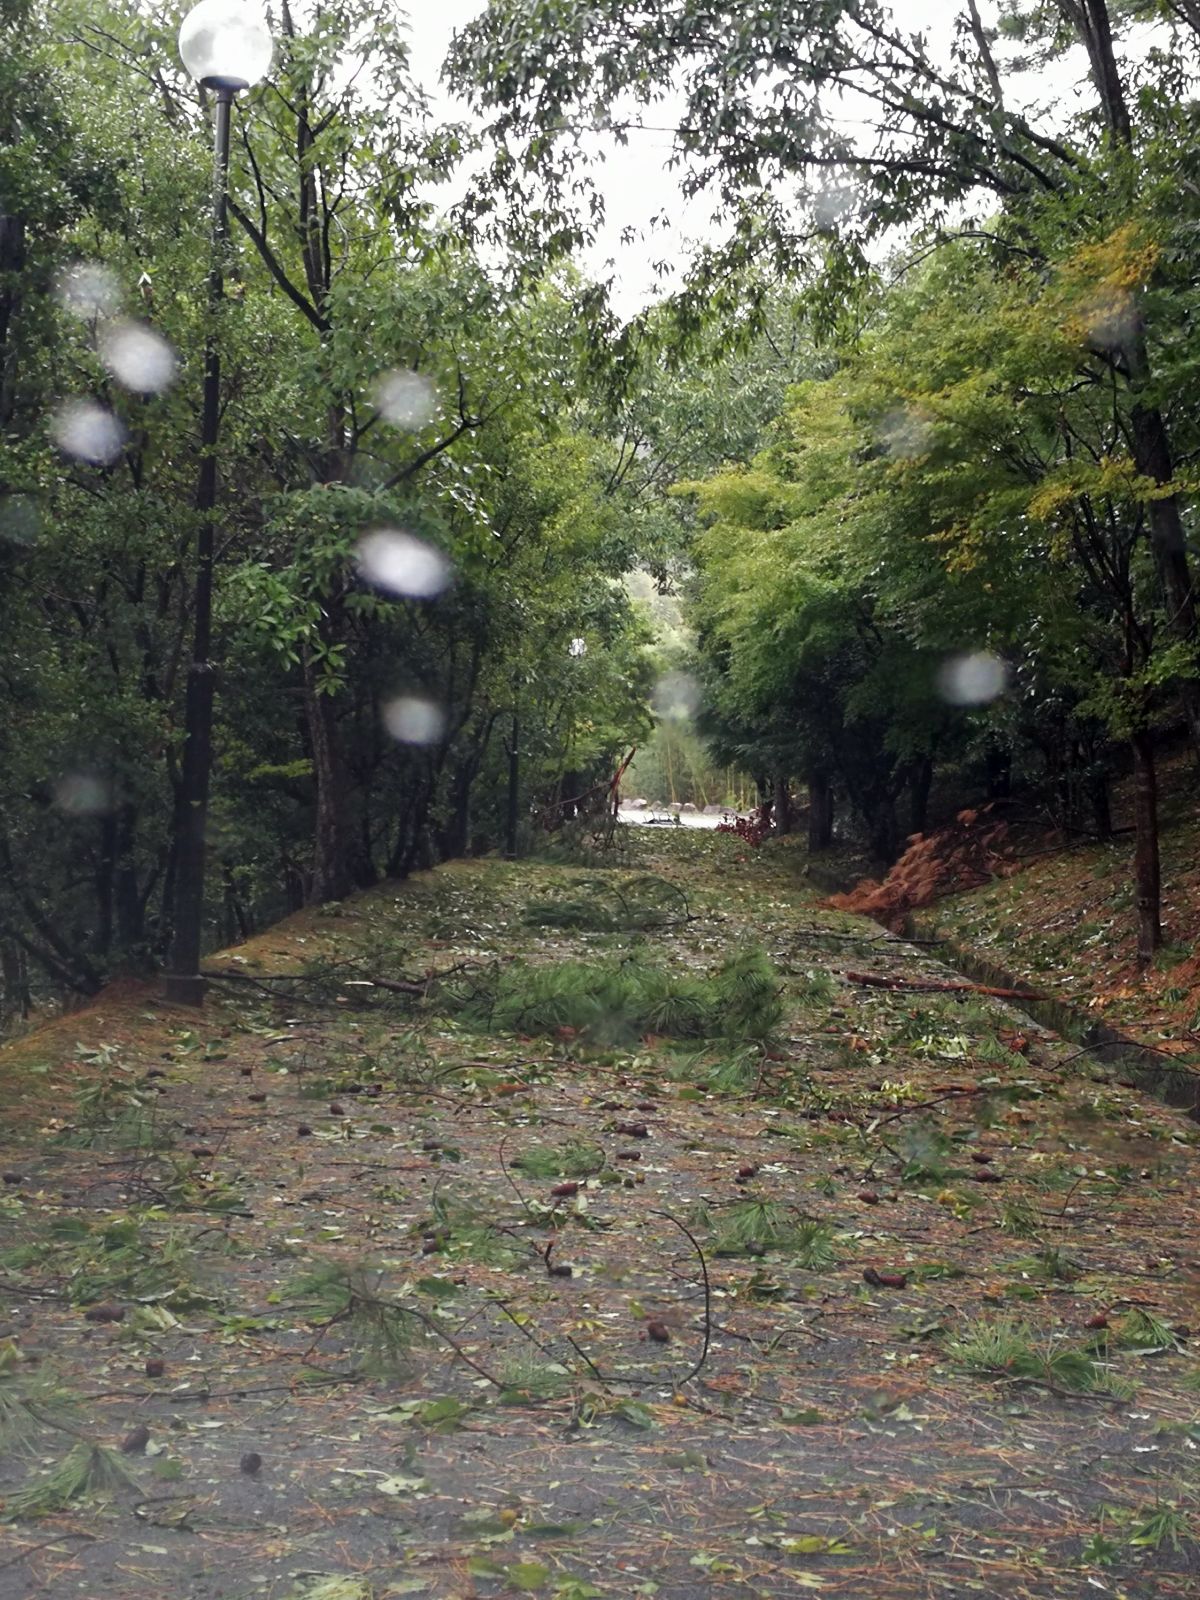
{"x":635,"y":181}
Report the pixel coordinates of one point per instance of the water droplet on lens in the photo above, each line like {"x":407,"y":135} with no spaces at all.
{"x":402,"y":564}
{"x":406,"y":399}
{"x":411,"y":719}
{"x":88,"y":290}
{"x":1111,"y":319}
{"x":676,"y":696}
{"x":137,"y":357}
{"x":87,"y":431}
{"x":831,"y":204}
{"x":80,"y":794}
{"x":973,"y":680}
{"x":904,"y":434}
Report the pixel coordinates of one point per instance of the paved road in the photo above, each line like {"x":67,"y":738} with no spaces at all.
{"x":666,"y":818}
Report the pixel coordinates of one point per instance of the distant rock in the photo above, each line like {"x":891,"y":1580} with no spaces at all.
{"x":687,"y":806}
{"x":715,"y":811}
{"x":637,"y":805}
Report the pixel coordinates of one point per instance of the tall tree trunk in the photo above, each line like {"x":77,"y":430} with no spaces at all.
{"x":454,"y":839}
{"x":919,"y":784}
{"x":16,"y":999}
{"x":129,"y":899}
{"x":1168,"y":540}
{"x":512,"y":828}
{"x":106,"y":866}
{"x":238,"y":925}
{"x":570,"y":792}
{"x":12,"y":264}
{"x":1146,"y":874}
{"x":885,"y":831}
{"x":464,"y":779}
{"x":820,"y":812}
{"x":292,"y":878}
{"x":1093,"y":24}
{"x":762,"y":785}
{"x":164,"y":925}
{"x":332,"y":878}
{"x":1152,"y":452}
{"x":998,"y":772}
{"x":1187,"y":11}
{"x":783,"y":804}
{"x":1098,"y":794}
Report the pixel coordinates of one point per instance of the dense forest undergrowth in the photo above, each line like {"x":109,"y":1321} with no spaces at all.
{"x":634,"y":1227}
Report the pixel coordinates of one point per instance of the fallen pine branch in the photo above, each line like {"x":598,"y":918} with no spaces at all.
{"x":397,"y":985}
{"x":263,"y":984}
{"x":345,"y":975}
{"x":263,"y":980}
{"x":877,"y":980}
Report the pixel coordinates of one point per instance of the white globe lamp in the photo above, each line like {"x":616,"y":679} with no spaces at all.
{"x":226,"y":44}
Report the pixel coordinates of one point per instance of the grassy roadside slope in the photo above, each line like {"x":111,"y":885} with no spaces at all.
{"x":1065,"y":925}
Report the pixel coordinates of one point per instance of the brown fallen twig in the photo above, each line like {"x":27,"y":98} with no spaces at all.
{"x":958,"y":1092}
{"x":1021,"y":1381}
{"x":1172,"y":1060}
{"x":247,"y":1392}
{"x":448,"y":1339}
{"x":877,"y":980}
{"x":46,"y":1544}
{"x":293,"y":997}
{"x":516,"y":1188}
{"x":517,"y":1323}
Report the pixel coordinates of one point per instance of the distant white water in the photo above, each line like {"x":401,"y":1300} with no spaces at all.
{"x":666,"y":817}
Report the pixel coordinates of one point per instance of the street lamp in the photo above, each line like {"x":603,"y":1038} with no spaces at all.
{"x":226,"y":46}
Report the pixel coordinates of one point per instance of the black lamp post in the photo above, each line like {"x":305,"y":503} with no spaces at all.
{"x":226,"y":46}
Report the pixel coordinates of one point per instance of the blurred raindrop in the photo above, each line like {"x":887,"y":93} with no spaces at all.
{"x":81,"y":794}
{"x":87,"y":431}
{"x":1111,"y":320}
{"x":904,"y":434}
{"x":19,"y":519}
{"x":137,"y":357}
{"x":676,"y":696}
{"x":402,"y":564}
{"x":407,"y":399}
{"x":831,"y":205}
{"x":88,"y":290}
{"x":973,"y":680}
{"x":411,"y":719}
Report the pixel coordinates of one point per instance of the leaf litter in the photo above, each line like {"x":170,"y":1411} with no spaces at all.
{"x":524,"y":1250}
